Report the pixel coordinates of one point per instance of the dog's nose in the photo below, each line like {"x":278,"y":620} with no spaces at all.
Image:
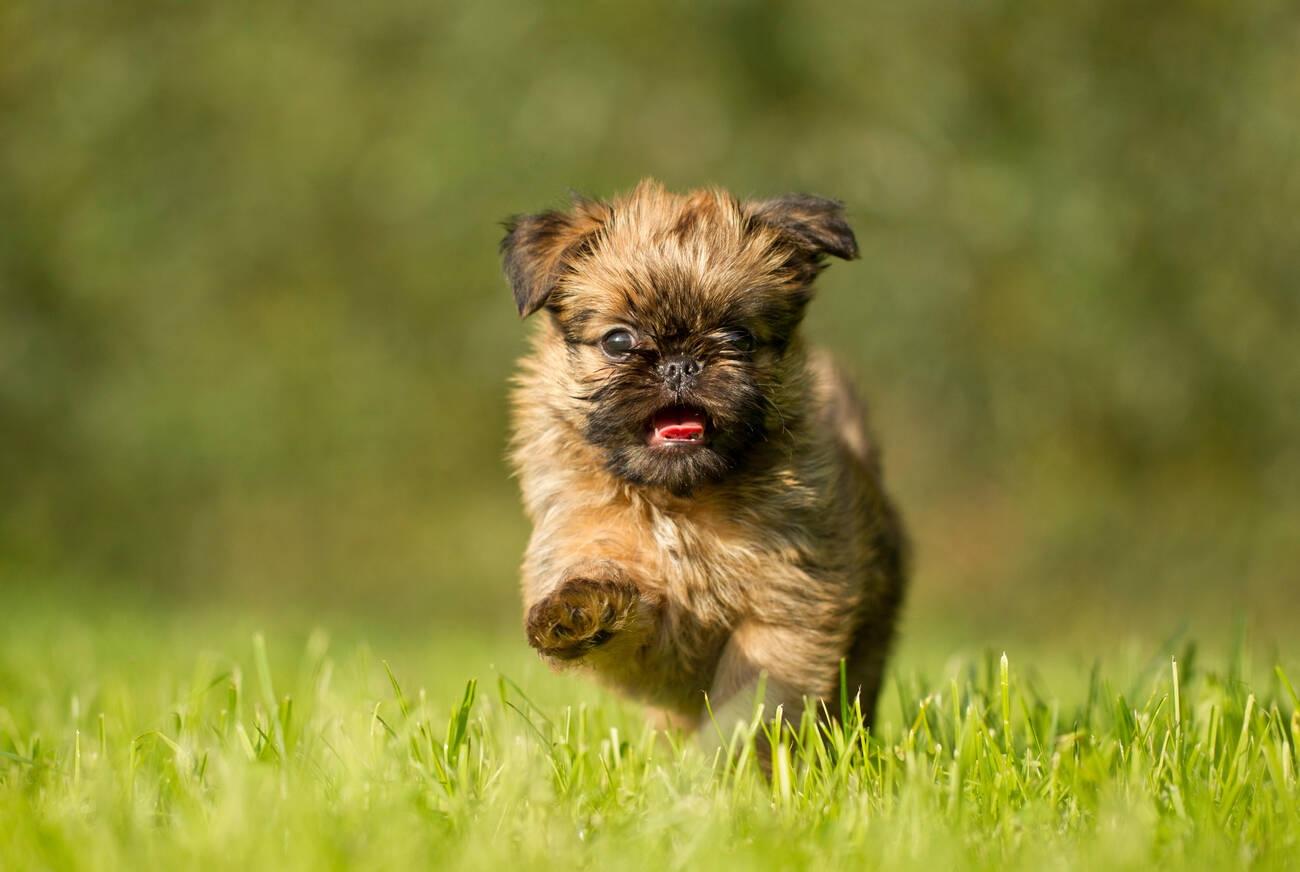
{"x":679,"y":370}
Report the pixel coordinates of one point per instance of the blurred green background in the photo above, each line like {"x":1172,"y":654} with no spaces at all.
{"x":255,"y":346}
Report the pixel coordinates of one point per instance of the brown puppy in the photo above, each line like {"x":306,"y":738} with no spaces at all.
{"x":705,"y":494}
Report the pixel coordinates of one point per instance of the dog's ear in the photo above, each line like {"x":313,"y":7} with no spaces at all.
{"x":814,"y":224}
{"x":536,"y":249}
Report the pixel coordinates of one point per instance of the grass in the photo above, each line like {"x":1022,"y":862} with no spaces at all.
{"x":170,"y":741}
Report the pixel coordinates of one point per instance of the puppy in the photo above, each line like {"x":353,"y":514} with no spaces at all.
{"x":706,"y":498}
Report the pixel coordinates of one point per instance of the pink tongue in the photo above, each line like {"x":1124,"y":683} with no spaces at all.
{"x":679,"y":425}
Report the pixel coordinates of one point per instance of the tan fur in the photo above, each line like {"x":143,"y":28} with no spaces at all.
{"x":784,"y":566}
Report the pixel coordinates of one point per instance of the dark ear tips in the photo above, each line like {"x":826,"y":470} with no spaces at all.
{"x":525,"y":262}
{"x":816,"y":224}
{"x":530,"y":290}
{"x":534,"y":248}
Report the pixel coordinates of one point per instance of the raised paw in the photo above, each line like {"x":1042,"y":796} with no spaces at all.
{"x":581,"y":615}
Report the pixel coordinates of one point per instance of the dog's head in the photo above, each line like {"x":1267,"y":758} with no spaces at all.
{"x":677,"y":316}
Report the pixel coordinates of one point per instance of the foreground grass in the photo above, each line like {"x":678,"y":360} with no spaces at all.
{"x":121,"y":746}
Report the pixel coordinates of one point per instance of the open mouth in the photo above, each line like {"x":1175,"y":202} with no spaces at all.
{"x":679,"y":425}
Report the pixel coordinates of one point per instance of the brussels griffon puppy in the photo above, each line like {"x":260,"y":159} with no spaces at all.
{"x":705,"y":494}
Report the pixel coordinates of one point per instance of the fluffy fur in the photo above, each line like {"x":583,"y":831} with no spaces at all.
{"x":675,"y":571}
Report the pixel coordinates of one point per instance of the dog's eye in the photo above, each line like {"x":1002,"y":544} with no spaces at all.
{"x":740,"y":339}
{"x":617,"y":343}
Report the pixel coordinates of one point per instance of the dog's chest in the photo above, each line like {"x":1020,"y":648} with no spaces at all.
{"x":699,"y":555}
{"x":673,"y":538}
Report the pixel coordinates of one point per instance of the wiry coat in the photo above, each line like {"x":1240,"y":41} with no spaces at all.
{"x":672,"y":574}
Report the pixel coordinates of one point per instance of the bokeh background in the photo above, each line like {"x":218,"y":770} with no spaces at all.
{"x":255,"y":345}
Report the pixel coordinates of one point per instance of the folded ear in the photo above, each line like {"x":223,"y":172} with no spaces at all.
{"x":536,"y":249}
{"x":814,"y":224}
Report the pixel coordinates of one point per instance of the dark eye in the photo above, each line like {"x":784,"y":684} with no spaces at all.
{"x":617,"y":343}
{"x":740,"y":339}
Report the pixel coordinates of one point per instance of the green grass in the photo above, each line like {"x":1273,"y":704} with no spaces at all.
{"x":167,"y":740}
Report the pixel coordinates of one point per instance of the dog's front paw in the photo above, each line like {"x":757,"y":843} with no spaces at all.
{"x":581,"y":615}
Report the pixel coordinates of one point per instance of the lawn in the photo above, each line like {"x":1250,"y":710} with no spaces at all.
{"x":166,"y":738}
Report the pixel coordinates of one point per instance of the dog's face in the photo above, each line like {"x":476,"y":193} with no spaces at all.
{"x":677,"y":316}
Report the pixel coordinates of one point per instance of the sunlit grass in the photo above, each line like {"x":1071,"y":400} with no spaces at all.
{"x":117,"y":751}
